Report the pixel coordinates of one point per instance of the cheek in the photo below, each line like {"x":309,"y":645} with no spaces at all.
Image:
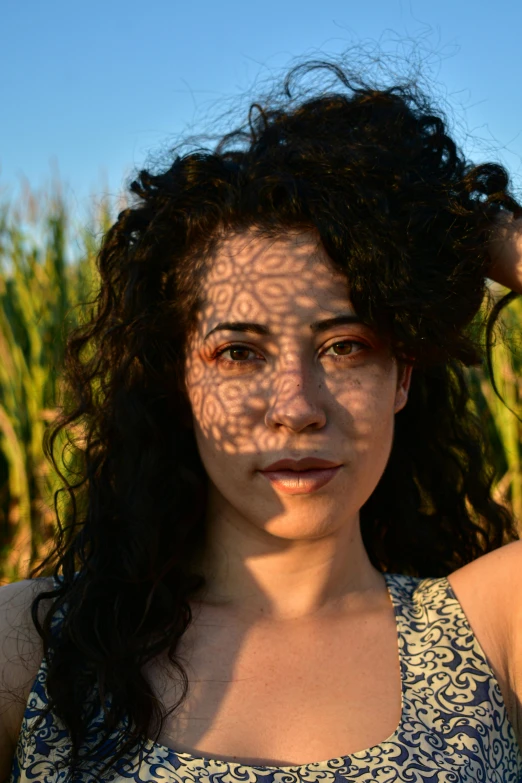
{"x":223,"y":408}
{"x":209,"y":409}
{"x":223,"y":416}
{"x":367,"y":392}
{"x":367,"y":412}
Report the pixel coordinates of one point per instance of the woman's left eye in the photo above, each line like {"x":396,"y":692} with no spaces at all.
{"x":351,"y":344}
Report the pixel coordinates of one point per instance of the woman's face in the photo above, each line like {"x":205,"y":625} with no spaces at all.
{"x":287,"y":382}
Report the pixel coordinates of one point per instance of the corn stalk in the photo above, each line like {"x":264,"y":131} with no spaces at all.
{"x":41,"y":296}
{"x":504,"y":424}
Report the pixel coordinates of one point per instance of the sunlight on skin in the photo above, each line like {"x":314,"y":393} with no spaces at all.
{"x":292,"y":393}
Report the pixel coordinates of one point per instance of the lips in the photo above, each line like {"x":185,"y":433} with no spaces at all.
{"x":306,"y":463}
{"x":300,"y":482}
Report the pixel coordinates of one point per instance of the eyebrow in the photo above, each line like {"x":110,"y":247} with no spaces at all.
{"x":316,"y":327}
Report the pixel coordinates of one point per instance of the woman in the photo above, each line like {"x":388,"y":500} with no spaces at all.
{"x":284,"y":547}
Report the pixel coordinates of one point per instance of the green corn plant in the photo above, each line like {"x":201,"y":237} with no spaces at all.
{"x":41,"y":298}
{"x":502,"y":418}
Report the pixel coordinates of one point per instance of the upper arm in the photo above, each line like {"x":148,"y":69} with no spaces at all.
{"x":490,"y":591}
{"x":504,"y":581}
{"x":515,"y":639}
{"x":21,"y":654}
{"x":508,"y":573}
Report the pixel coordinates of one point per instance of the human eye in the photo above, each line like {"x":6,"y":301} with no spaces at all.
{"x":350,"y":349}
{"x":233,"y":349}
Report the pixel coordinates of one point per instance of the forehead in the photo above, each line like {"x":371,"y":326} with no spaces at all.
{"x":286,"y":279}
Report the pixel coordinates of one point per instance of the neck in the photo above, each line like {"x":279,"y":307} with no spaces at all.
{"x":259,"y":576}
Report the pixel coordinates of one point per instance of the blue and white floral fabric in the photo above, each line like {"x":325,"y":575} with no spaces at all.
{"x":454,"y":727}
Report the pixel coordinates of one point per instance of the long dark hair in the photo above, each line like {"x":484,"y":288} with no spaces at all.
{"x":407,"y":220}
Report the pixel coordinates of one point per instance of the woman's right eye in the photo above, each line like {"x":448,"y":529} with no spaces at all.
{"x":233,"y":350}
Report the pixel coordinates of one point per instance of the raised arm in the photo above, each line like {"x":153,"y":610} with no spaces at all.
{"x":506,"y":253}
{"x":506,"y":269}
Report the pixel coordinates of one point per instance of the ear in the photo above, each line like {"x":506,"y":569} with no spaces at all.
{"x":403,"y":386}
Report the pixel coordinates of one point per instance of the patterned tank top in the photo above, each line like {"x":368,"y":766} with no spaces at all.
{"x":454,"y":727}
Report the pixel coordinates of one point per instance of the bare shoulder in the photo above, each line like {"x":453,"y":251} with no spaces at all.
{"x":21,"y":654}
{"x":20,"y":644}
{"x":490,"y":592}
{"x":493,"y":578}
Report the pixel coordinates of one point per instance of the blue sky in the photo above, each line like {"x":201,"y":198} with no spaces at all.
{"x":91,"y":89}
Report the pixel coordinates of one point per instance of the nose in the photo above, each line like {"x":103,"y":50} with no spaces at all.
{"x":296,"y":402}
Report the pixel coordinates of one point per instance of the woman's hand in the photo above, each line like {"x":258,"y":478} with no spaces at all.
{"x":506,"y":252}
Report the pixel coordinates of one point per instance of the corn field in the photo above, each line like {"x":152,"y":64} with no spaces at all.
{"x":45,"y":290}
{"x":42,"y":296}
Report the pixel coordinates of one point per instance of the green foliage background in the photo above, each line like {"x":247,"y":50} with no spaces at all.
{"x":48,"y":277}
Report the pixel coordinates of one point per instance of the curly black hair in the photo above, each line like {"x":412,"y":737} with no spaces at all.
{"x":403,"y":215}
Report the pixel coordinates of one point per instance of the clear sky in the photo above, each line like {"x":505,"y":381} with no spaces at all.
{"x":90,"y":89}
